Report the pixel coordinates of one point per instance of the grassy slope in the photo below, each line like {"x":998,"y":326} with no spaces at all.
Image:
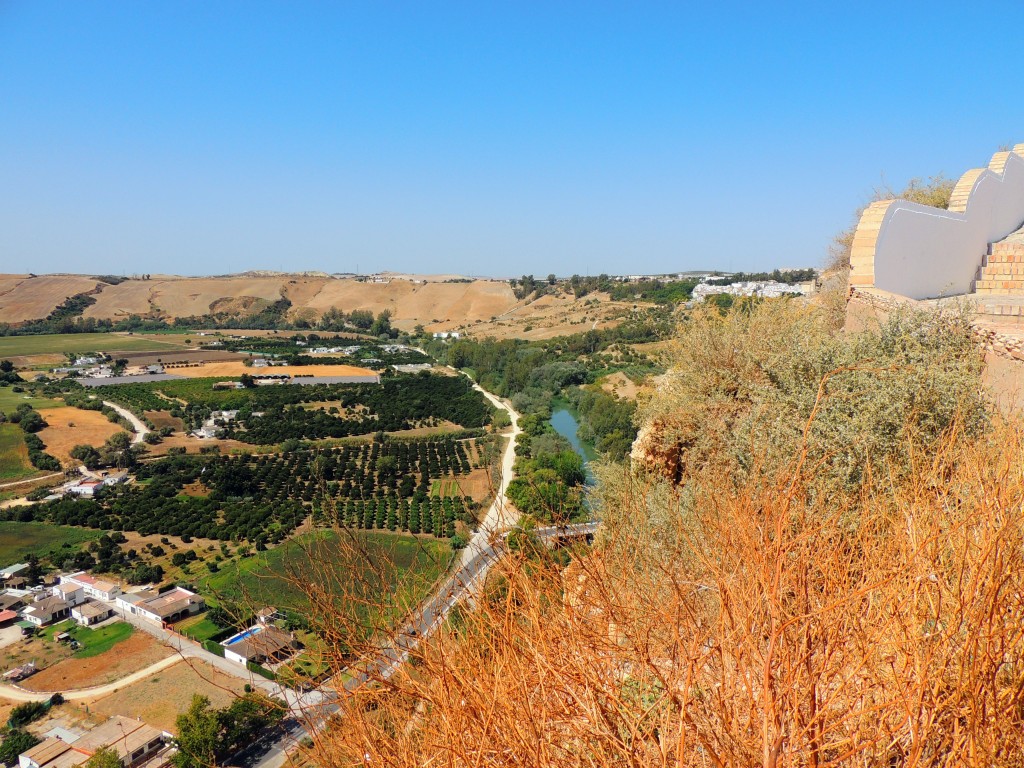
{"x":14,"y":463}
{"x":80,"y":342}
{"x":18,"y":540}
{"x":409,"y":567}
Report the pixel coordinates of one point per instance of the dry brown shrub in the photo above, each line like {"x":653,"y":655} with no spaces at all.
{"x":755,"y":626}
{"x":763,"y":609}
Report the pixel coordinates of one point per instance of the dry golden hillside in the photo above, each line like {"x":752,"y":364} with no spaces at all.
{"x":484,"y":307}
{"x":25,"y":297}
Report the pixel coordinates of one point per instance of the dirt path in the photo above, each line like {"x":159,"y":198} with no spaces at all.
{"x":31,"y":480}
{"x":16,"y":693}
{"x":141,"y":430}
{"x":501,"y":514}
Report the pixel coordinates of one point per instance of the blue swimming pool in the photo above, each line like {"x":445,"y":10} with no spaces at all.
{"x":242,"y":635}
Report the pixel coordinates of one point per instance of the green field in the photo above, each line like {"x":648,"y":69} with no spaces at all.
{"x":19,"y":540}
{"x":198,"y":628}
{"x":10,"y":400}
{"x":60,"y":343}
{"x":14,"y":463}
{"x":358,"y":569}
{"x":94,"y":641}
{"x":445,"y":487}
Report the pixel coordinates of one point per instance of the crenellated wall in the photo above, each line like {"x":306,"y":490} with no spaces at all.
{"x":922,"y":252}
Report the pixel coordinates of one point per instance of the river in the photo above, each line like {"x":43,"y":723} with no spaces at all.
{"x":565,"y":424}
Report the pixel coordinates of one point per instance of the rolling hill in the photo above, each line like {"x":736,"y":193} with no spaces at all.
{"x":437,"y":302}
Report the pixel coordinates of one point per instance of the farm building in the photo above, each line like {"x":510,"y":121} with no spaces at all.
{"x":86,"y":488}
{"x":161,"y":607}
{"x":12,"y":570}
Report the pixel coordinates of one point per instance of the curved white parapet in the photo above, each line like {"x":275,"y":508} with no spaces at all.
{"x":922,"y":252}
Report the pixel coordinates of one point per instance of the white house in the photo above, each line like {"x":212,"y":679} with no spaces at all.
{"x":260,"y":643}
{"x":91,"y":612}
{"x":95,"y":588}
{"x":46,"y":611}
{"x":161,"y":607}
{"x":73,"y":594}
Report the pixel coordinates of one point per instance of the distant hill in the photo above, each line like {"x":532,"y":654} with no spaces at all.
{"x":437,"y":302}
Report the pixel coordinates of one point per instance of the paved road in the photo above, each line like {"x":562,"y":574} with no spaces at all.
{"x":141,"y":430}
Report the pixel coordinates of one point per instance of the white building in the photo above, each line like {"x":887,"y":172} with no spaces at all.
{"x":91,"y":612}
{"x":768,"y":289}
{"x":260,"y":644}
{"x":161,"y":607}
{"x":93,"y":587}
{"x":46,"y":611}
{"x":72,"y":594}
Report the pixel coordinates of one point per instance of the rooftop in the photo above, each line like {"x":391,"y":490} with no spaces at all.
{"x":169,"y":602}
{"x":121,"y":734}
{"x":92,"y":608}
{"x":266,"y":642}
{"x":91,"y":581}
{"x":47,"y":605}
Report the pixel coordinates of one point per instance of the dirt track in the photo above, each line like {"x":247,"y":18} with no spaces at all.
{"x":136,"y":653}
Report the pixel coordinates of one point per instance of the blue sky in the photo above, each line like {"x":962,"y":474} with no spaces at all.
{"x":480,"y":138}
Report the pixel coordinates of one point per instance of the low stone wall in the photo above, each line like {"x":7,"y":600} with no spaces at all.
{"x":878,"y":304}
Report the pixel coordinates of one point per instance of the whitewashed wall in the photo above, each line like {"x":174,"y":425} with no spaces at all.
{"x":923,"y":252}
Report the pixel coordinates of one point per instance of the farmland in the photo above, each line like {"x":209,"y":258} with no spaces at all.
{"x":14,"y":463}
{"x":22,"y":346}
{"x":94,"y":641}
{"x":160,"y":698}
{"x":354,"y":568}
{"x":108,"y":654}
{"x":69,"y":427}
{"x":19,"y":540}
{"x":382,"y":485}
{"x":270,"y":415}
{"x":10,"y":400}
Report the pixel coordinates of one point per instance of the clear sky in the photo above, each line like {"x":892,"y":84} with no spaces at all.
{"x":479,"y":137}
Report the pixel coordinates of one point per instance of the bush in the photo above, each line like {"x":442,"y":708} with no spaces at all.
{"x":261,"y":671}
{"x":760,"y":386}
{"x":213,"y":647}
{"x":23,"y":714}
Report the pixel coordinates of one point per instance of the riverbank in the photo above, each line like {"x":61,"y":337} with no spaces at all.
{"x":565,"y":422}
